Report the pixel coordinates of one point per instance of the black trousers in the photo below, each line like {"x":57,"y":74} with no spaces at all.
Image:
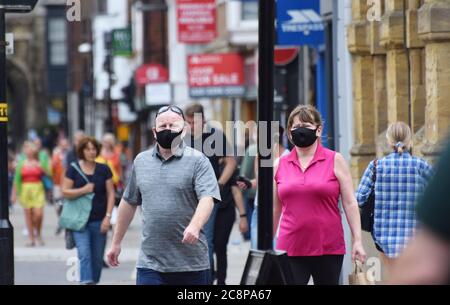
{"x":325,"y":270}
{"x":224,"y":224}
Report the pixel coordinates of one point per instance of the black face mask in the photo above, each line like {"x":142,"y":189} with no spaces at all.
{"x":304,"y":137}
{"x":166,"y":137}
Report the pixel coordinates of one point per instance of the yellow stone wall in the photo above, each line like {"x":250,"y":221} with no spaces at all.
{"x":380,"y":75}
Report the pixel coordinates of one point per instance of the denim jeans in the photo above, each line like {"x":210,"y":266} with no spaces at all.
{"x":91,"y":247}
{"x":151,"y":277}
{"x":254,"y":230}
{"x":209,"y":232}
{"x":249,"y":209}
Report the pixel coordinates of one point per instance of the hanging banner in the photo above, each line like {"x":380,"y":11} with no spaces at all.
{"x":299,"y":23}
{"x":196,"y":21}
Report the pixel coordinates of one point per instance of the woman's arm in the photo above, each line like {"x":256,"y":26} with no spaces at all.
{"x":366,"y":185}
{"x":276,"y":201}
{"x":239,"y":202}
{"x":351,"y":208}
{"x":70,"y":193}
{"x":110,"y":205}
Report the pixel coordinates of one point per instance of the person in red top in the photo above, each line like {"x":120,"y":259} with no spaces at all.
{"x":29,"y":190}
{"x":308,"y":184}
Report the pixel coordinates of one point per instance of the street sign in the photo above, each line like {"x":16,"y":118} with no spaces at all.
{"x":158,"y":94}
{"x":9,"y":43}
{"x":284,"y":56}
{"x":3,"y":112}
{"x":122,"y":42}
{"x":299,"y":23}
{"x":18,"y":6}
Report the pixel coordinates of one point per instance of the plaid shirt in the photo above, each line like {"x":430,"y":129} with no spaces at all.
{"x":400,"y":179}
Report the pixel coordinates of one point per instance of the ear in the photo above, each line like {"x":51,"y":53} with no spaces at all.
{"x":185,"y":129}
{"x":154,"y":132}
{"x":319,"y":131}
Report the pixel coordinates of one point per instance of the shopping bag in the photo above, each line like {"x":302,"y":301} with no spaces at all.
{"x":359,"y":275}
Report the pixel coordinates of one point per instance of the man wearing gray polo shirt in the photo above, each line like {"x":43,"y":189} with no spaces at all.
{"x":175,"y":186}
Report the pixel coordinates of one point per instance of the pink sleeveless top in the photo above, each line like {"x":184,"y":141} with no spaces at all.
{"x":310,"y":223}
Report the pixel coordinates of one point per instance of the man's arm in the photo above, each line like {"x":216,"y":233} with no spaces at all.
{"x":125,"y":216}
{"x":201,"y":216}
{"x":228,"y":171}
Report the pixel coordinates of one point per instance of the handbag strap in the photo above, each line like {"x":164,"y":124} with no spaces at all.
{"x":74,"y":165}
{"x":374,"y":176}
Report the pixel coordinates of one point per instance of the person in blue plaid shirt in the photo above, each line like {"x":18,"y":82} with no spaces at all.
{"x":400,"y":179}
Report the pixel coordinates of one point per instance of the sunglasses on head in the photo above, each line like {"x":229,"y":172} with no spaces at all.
{"x":175,"y":109}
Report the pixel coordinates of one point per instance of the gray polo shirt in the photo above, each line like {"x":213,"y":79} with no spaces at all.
{"x":168,"y":192}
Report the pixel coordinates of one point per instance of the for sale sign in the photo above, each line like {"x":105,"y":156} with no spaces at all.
{"x":196,"y":21}
{"x":216,"y":75}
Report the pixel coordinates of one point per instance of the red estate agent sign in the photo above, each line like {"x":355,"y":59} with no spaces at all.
{"x":216,"y":75}
{"x":151,"y":73}
{"x":196,"y":21}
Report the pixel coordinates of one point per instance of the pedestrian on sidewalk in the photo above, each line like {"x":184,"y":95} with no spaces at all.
{"x":213,"y":143}
{"x":71,"y":155}
{"x":400,"y":178}
{"x":426,"y":260}
{"x":29,"y":189}
{"x":225,"y":218}
{"x":84,"y":177}
{"x":279,"y":151}
{"x":247,"y":170}
{"x":59,"y":172}
{"x":175,"y":186}
{"x":308,"y":184}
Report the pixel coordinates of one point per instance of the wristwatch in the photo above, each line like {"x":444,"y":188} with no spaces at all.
{"x":108,"y":215}
{"x":243,"y":215}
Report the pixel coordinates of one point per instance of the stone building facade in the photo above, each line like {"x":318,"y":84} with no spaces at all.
{"x":25,"y":71}
{"x":400,"y":73}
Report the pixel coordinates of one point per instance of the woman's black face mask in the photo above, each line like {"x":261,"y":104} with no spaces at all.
{"x":304,"y":137}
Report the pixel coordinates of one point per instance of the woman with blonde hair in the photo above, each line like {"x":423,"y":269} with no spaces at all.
{"x":29,"y":190}
{"x":397,"y":180}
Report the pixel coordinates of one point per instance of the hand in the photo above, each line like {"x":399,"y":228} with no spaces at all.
{"x":191,"y":235}
{"x":243,"y":225}
{"x":241,"y":185}
{"x":88,"y":188}
{"x":113,"y":255}
{"x":358,"y":252}
{"x":106,"y":223}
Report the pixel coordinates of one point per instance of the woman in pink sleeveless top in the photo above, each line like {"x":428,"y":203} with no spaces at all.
{"x":308,"y":184}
